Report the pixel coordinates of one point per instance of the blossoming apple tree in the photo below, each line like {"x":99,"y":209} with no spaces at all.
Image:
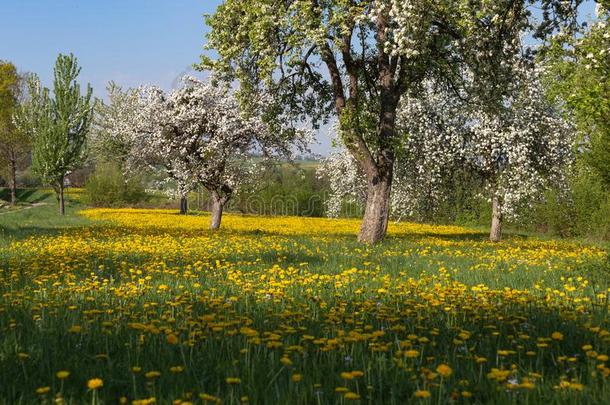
{"x":515,"y":151}
{"x":199,"y":134}
{"x":355,"y":59}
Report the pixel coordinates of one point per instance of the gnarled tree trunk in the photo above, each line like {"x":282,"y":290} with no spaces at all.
{"x":217,"y":208}
{"x":377,"y":211}
{"x":184,"y":205}
{"x":495,"y":235}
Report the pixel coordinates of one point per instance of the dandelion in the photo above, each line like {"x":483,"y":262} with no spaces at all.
{"x":422,"y":394}
{"x":152,"y":374}
{"x":444,"y":370}
{"x":209,"y":398}
{"x":62,"y":375}
{"x":351,"y":395}
{"x":95,"y":383}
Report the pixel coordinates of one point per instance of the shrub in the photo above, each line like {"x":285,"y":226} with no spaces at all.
{"x":584,"y":211}
{"x":28,"y":179}
{"x":109,"y":187}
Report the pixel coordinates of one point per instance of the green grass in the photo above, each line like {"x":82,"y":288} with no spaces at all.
{"x":37,"y":213}
{"x":129,"y":287}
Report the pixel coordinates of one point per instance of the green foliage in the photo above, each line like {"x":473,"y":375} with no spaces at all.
{"x":14,"y":144}
{"x":109,"y":187}
{"x":58,"y":124}
{"x":578,"y":74}
{"x":286,"y":190}
{"x":27,"y":178}
{"x":9,"y":82}
{"x":582,"y":211}
{"x":280,"y":190}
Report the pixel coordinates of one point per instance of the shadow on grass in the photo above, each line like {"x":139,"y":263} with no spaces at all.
{"x":26,"y":195}
{"x":49,"y":345}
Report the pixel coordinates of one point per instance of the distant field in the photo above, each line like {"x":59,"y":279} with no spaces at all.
{"x":287,"y":310}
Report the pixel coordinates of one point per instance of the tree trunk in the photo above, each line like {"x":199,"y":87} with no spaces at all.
{"x":495,"y":235}
{"x":217,"y":207}
{"x":13,"y":168}
{"x":60,"y":195}
{"x":376,"y":214}
{"x":184,"y":205}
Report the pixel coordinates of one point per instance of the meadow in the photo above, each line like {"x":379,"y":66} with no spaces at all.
{"x":147,"y":306}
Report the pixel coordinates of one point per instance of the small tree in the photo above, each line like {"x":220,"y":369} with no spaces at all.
{"x":520,"y":150}
{"x":14,"y":144}
{"x":58,"y":125}
{"x":199,"y":134}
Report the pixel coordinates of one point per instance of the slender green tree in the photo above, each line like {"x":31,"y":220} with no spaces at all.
{"x":14,"y":144}
{"x":58,"y":124}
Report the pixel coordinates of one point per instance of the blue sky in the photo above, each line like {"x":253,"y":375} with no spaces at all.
{"x":132,"y":42}
{"x":129,"y":41}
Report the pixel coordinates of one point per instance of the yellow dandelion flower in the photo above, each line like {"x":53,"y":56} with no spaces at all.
{"x":351,"y":395}
{"x":95,"y":383}
{"x":444,"y":370}
{"x":422,"y":394}
{"x":557,"y":336}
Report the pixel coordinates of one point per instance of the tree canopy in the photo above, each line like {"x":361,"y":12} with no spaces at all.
{"x":354,"y":60}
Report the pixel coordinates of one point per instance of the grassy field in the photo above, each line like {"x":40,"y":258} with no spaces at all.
{"x":122,"y":306}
